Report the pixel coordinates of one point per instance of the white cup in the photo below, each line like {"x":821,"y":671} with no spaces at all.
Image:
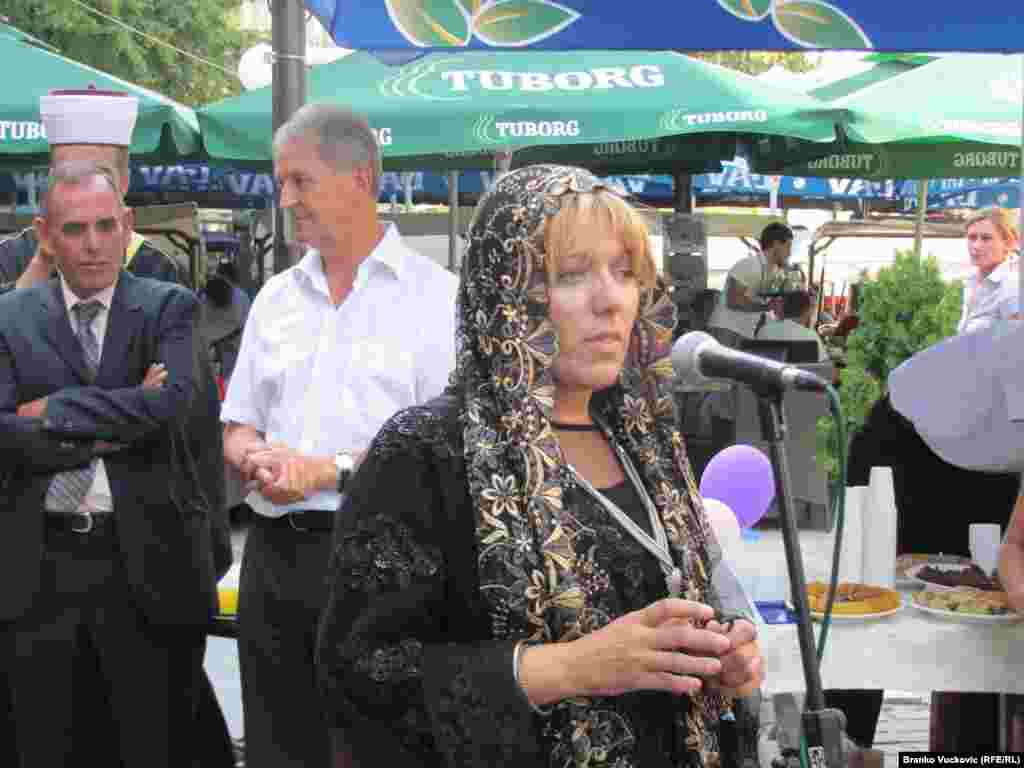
{"x":985,"y":539}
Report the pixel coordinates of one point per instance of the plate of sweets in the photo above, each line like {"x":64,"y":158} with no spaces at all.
{"x":908,"y":561}
{"x":854,"y":602}
{"x":948,"y":577}
{"x":966,"y":604}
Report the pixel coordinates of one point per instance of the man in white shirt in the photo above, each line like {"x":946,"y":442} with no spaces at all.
{"x":361,"y":327}
{"x":740,"y":308}
{"x":991,"y":293}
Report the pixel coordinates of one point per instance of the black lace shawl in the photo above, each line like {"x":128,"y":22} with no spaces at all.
{"x":408,"y":663}
{"x":463,"y":534}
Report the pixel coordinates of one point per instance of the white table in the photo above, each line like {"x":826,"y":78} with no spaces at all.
{"x":909,"y":651}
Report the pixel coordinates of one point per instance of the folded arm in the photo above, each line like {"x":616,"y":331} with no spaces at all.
{"x":27,"y":445}
{"x":127,"y":414}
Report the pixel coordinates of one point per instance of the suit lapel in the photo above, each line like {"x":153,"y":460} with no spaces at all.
{"x":59,"y":333}
{"x":122,"y":326}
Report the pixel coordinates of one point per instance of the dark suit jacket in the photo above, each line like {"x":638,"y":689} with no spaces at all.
{"x":162,"y":524}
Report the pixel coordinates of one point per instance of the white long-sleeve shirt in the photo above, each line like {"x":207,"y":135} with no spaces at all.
{"x":322,"y":378}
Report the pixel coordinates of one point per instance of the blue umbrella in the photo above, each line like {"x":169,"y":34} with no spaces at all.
{"x":758,"y":25}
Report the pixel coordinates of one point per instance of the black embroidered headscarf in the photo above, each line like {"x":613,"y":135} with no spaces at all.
{"x":530,"y":575}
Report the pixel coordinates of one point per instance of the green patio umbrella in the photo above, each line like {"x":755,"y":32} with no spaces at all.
{"x":164,"y":131}
{"x":610,"y":111}
{"x":957,"y":116}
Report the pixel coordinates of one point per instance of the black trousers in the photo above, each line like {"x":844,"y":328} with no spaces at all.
{"x":95,"y":737}
{"x":282,"y":590}
{"x":84,"y":647}
{"x":8,"y":745}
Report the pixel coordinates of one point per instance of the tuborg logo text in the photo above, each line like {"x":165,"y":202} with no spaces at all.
{"x":488,"y":129}
{"x":21,"y":130}
{"x":444,"y":80}
{"x":1008,"y":160}
{"x":680,"y":120}
{"x":862,"y":162}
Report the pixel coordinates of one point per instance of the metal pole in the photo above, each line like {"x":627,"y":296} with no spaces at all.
{"x":922,"y":210}
{"x":1020,"y":202}
{"x":288,"y":37}
{"x":453,"y":220}
{"x":682,"y":184}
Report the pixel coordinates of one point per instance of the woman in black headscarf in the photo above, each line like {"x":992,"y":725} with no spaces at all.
{"x":488,"y":604}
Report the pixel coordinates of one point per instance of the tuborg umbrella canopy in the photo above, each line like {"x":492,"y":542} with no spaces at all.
{"x":610,"y":111}
{"x":957,"y":116}
{"x":165,"y":130}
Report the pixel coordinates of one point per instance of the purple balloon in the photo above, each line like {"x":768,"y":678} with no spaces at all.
{"x":741,"y":477}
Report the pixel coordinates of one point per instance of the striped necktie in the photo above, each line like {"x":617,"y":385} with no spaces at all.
{"x":68,"y":489}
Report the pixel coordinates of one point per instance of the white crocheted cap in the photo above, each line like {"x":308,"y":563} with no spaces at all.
{"x":89,"y":117}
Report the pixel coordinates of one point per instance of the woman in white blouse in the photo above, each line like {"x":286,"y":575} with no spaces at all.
{"x":991,"y":293}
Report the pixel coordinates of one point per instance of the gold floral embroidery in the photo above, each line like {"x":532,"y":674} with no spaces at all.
{"x":533,"y":570}
{"x":503,"y":495}
{"x":636,"y":415}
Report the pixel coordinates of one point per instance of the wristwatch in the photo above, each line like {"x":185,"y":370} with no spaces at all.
{"x":345,"y":463}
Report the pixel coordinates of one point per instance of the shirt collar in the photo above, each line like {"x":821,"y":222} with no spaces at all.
{"x":104,"y":297}
{"x":998,"y":274}
{"x":388,"y":253}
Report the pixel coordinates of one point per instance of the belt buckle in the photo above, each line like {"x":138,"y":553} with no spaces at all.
{"x":291,"y":522}
{"x":90,"y":523}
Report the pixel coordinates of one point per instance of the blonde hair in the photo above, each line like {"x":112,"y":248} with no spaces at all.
{"x":1001,"y":219}
{"x":584,"y":211}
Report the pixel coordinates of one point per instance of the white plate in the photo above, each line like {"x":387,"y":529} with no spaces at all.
{"x":969,"y":618}
{"x":852,"y":618}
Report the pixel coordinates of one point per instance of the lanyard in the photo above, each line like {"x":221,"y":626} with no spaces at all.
{"x":133,"y":248}
{"x":657,"y":546}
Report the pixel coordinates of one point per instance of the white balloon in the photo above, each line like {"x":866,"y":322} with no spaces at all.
{"x":723,"y":523}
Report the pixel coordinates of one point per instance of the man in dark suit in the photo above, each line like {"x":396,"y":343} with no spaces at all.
{"x":106,"y":553}
{"x":97,"y":126}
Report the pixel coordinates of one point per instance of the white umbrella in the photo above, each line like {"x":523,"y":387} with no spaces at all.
{"x":965,"y":397}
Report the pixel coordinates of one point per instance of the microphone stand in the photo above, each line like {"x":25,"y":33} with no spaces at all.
{"x":823,"y":728}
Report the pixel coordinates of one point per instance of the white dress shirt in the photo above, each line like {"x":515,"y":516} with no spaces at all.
{"x":990,"y":299}
{"x":752,"y":273}
{"x":322,"y":378}
{"x":99,"y":498}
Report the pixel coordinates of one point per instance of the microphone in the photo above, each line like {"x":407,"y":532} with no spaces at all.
{"x":698,"y":355}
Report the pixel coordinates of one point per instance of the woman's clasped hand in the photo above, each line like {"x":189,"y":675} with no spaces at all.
{"x":660,"y":647}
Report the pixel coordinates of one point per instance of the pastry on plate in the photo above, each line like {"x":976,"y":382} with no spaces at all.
{"x":853,"y":599}
{"x":974,"y":601}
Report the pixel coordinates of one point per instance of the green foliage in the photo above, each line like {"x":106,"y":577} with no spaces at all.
{"x":907,"y":308}
{"x":200,"y":27}
{"x":756,"y":62}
